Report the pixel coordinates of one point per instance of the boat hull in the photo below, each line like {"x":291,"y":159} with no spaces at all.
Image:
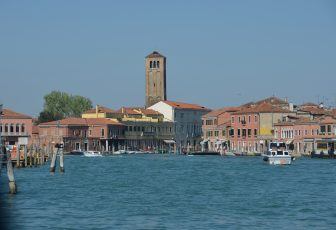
{"x":276,"y":160}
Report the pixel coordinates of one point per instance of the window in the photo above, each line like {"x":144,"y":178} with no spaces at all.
{"x":249,"y":119}
{"x":154,"y":64}
{"x":17,"y":128}
{"x":215,"y":122}
{"x":209,"y":122}
{"x":158,"y":64}
{"x":12,"y":128}
{"x":90,"y":132}
{"x":238,"y":119}
{"x":238,"y":132}
{"x":306,"y":132}
{"x":244,"y":132}
{"x":6,"y":128}
{"x":255,"y":132}
{"x":23,"y":128}
{"x":249,"y":132}
{"x":323,"y":129}
{"x":216,"y":133}
{"x":170,"y":129}
{"x":329,"y":129}
{"x":0,"y":128}
{"x":255,"y":118}
{"x":231,"y":132}
{"x":102,"y":132}
{"x":150,"y":64}
{"x":223,"y":133}
{"x":232,"y":119}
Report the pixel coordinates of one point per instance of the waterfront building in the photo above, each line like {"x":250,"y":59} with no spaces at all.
{"x":215,"y":128}
{"x":16,"y":128}
{"x":146,"y":129}
{"x":304,"y":135}
{"x":252,"y":127}
{"x":187,"y":120}
{"x":101,"y":134}
{"x":155,"y":68}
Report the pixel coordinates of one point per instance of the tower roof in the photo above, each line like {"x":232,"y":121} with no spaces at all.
{"x":155,"y":54}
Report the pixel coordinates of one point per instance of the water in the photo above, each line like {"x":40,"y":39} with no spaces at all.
{"x":173,"y":192}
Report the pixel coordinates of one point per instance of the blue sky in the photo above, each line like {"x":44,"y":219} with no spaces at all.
{"x":219,"y":53}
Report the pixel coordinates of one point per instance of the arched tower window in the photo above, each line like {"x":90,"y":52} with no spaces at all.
{"x":6,"y":128}
{"x":22,"y":128}
{"x":11,"y":128}
{"x":154,"y":64}
{"x":17,"y":128}
{"x":158,"y":64}
{"x":150,"y":64}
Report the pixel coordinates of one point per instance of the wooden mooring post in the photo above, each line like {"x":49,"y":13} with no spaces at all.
{"x":59,"y":152}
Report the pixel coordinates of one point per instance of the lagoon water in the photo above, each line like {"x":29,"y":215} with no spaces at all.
{"x":173,"y":192}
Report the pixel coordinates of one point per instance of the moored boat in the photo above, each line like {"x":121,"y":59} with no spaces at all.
{"x":278,"y":154}
{"x":92,"y":154}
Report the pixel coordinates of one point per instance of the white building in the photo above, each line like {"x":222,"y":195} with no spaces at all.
{"x":187,"y":120}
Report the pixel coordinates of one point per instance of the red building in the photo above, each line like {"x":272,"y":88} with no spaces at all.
{"x":101,"y":134}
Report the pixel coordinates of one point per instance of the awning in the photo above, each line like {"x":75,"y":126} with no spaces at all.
{"x":169,"y":141}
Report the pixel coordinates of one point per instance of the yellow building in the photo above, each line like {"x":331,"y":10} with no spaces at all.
{"x":100,"y":112}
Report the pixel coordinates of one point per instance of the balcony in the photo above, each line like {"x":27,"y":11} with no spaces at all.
{"x":14,"y":134}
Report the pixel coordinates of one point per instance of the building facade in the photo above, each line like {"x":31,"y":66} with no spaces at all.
{"x":215,"y":127}
{"x":155,"y":67}
{"x":16,"y":127}
{"x":187,"y":119}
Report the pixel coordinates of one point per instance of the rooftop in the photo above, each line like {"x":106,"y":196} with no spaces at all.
{"x":182,"y":105}
{"x":74,"y":121}
{"x":10,"y":114}
{"x":155,"y":54}
{"x":264,"y":107}
{"x":101,"y":109}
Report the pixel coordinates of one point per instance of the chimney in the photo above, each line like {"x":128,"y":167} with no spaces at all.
{"x":97,"y":109}
{"x":122,"y":110}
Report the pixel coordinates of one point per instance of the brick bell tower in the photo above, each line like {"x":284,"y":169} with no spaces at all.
{"x":155,"y":65}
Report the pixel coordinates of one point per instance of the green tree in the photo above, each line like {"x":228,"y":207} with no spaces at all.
{"x":59,"y":105}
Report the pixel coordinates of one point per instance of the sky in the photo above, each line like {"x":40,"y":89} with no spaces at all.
{"x":219,"y":53}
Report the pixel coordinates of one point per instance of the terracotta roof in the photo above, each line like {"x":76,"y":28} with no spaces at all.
{"x":262,"y":108}
{"x":101,"y":109}
{"x":73,"y":121}
{"x":272,"y":100}
{"x":10,"y":114}
{"x":66,"y":121}
{"x":217,"y":112}
{"x":155,"y":54}
{"x":327,"y":120}
{"x":182,"y":105}
{"x":314,"y":111}
{"x":309,"y":104}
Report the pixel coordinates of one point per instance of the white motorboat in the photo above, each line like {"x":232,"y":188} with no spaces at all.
{"x":120,"y":152}
{"x":278,"y":154}
{"x":92,"y":154}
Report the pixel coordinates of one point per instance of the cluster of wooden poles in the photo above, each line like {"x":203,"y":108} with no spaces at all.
{"x":32,"y":158}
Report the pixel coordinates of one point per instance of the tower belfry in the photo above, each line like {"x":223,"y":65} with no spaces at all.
{"x":155,"y":65}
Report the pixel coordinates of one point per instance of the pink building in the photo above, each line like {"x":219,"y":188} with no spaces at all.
{"x":16,"y":126}
{"x":305,"y":135}
{"x":215,"y":126}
